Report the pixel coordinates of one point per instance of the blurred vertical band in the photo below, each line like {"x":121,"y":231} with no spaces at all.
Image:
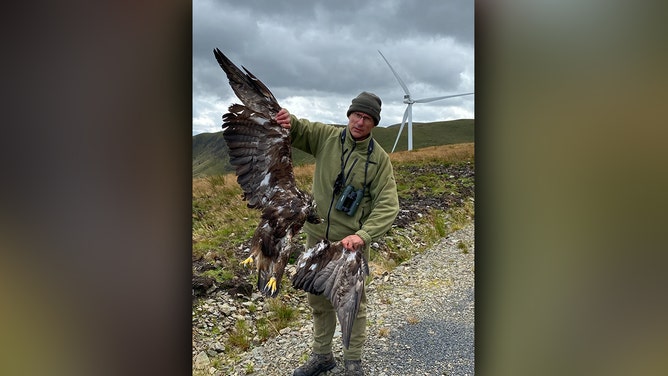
{"x":570,"y":183}
{"x":94,"y":219}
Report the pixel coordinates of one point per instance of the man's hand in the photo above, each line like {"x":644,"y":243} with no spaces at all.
{"x":283,"y":118}
{"x":353,"y":242}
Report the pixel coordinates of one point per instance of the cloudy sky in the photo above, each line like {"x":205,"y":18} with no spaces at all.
{"x":315,"y":56}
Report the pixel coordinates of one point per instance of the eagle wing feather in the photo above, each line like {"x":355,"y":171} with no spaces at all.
{"x":252,"y":92}
{"x":331,"y":270}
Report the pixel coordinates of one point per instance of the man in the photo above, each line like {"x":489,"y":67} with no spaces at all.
{"x":345,"y":157}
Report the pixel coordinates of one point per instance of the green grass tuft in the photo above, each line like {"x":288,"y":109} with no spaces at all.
{"x":240,"y":336}
{"x":220,"y":275}
{"x":283,"y":314}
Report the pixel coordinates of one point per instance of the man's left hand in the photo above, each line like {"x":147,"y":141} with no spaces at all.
{"x":353,"y":242}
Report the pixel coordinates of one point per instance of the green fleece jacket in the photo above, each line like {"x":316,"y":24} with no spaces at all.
{"x":380,"y":204}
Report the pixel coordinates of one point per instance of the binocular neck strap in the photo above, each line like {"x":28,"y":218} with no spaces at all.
{"x":369,"y":150}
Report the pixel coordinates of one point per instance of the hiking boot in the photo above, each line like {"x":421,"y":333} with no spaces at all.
{"x":317,"y":364}
{"x":353,"y":368}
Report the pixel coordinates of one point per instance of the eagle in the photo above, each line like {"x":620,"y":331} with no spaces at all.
{"x":261,"y":153}
{"x":260,"y":150}
{"x":330,"y":269}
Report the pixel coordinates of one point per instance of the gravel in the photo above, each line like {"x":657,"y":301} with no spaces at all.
{"x":420,"y":322}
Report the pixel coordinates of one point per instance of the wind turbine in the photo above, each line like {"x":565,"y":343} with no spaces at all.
{"x":408,"y":114}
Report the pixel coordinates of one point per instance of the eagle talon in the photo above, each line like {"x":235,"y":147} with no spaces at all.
{"x":247,"y":262}
{"x":271,"y":285}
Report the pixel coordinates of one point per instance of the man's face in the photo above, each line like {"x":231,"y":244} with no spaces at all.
{"x":360,"y":125}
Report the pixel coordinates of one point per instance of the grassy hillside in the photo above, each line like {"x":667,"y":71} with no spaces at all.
{"x":210,"y":151}
{"x":210,"y":155}
{"x":427,"y":134}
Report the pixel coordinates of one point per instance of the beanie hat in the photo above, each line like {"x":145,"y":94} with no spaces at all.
{"x":368,"y":103}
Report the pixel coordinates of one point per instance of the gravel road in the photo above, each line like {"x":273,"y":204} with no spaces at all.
{"x":430,"y":314}
{"x":421,"y":322}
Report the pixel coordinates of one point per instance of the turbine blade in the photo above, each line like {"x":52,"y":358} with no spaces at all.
{"x":403,"y":121}
{"x":403,"y":85}
{"x":425,"y":100}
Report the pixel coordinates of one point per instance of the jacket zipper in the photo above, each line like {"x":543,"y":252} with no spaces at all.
{"x":331,"y":203}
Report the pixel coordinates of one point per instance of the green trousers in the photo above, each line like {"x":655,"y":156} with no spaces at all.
{"x":324,"y":323}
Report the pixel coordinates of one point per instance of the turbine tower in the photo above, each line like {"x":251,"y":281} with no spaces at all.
{"x":408,"y":114}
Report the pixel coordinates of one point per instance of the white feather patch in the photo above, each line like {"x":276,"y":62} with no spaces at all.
{"x":265,"y":181}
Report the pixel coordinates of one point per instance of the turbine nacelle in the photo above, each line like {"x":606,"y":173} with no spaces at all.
{"x":408,"y":114}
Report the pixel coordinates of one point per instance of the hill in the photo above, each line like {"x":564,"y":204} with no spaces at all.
{"x":210,"y":157}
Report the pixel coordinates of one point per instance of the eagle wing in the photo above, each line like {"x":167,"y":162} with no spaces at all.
{"x":331,"y":270}
{"x":259,"y":147}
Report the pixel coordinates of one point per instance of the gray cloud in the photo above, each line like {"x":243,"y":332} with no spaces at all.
{"x":316,"y":56}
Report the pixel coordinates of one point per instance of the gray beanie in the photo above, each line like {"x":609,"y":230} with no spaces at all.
{"x":368,"y":103}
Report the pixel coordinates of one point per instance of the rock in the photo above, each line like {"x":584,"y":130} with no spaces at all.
{"x":227,"y":309}
{"x":202,"y":360}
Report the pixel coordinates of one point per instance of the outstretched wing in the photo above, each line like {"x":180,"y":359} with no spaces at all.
{"x":337,"y":273}
{"x":259,"y":147}
{"x":251,"y":91}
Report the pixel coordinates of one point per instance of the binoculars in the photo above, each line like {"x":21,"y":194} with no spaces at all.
{"x":349,"y":200}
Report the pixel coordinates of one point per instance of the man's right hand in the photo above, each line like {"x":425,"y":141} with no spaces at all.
{"x":283,"y":118}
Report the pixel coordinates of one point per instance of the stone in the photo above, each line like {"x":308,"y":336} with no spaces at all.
{"x":202,"y":360}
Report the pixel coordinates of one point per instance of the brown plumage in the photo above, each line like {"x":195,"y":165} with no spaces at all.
{"x":337,"y":273}
{"x":260,"y":151}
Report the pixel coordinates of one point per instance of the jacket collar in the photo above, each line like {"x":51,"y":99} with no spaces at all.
{"x":362,"y":145}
